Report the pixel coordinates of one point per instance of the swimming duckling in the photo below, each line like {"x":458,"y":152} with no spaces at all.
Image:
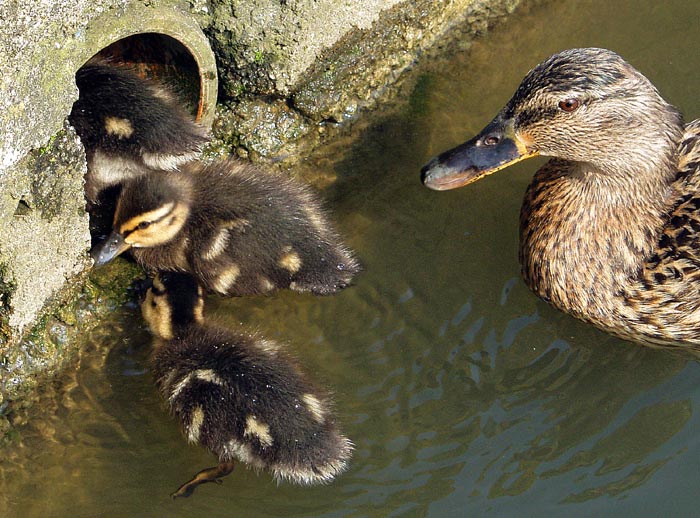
{"x":610,"y":227}
{"x":238,"y":394}
{"x":239,"y":230}
{"x":129,"y":125}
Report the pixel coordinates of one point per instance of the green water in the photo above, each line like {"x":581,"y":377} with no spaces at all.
{"x":464,"y":394}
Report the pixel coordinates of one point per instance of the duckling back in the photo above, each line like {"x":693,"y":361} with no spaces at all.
{"x":129,"y":125}
{"x":271,"y":232}
{"x":238,"y":394}
{"x":241,"y":397}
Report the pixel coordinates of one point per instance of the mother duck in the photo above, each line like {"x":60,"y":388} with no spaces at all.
{"x":610,"y":226}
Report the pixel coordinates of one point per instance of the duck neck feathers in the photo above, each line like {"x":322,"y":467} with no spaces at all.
{"x":586,"y":229}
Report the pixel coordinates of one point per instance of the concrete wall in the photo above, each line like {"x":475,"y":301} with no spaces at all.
{"x":289,"y":70}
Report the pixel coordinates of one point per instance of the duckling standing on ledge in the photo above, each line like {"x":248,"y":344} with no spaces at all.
{"x":610,"y":227}
{"x":239,"y":395}
{"x":239,"y":230}
{"x":129,"y":125}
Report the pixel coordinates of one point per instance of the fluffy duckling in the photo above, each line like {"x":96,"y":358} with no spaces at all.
{"x":239,"y":230}
{"x":238,"y":394}
{"x":128,"y":125}
{"x":609,"y":229}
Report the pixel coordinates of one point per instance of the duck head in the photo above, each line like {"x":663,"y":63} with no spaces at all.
{"x":151,"y":211}
{"x":581,"y":105}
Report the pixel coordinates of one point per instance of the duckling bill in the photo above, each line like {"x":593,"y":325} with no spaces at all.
{"x":239,"y":230}
{"x":238,"y":394}
{"x":609,"y":227}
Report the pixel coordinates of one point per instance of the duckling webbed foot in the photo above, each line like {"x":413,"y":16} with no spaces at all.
{"x":213,"y":474}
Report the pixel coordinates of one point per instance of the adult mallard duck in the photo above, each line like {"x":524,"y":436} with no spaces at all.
{"x":610,"y":227}
{"x":238,"y":394}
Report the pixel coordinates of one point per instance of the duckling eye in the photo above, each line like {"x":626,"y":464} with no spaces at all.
{"x":143,"y":224}
{"x":569,"y":105}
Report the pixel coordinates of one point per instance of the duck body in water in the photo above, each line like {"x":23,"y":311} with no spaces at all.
{"x":238,"y":229}
{"x":238,"y":394}
{"x":610,"y":226}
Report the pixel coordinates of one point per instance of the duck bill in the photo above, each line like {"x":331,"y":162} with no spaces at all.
{"x":495,"y":148}
{"x":109,"y":249}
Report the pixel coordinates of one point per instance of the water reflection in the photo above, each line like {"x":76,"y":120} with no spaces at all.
{"x":462,"y":391}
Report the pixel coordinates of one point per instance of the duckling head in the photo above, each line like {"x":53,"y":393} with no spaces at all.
{"x":151,"y":211}
{"x":173,"y":302}
{"x":582,"y":105}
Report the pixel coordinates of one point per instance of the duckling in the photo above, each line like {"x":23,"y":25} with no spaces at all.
{"x":609,"y":228}
{"x":239,"y":230}
{"x":238,"y":394}
{"x":129,"y":125}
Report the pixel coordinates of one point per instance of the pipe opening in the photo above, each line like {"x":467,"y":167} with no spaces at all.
{"x":124,"y":134}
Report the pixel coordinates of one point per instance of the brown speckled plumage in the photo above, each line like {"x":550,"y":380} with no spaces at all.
{"x":610,"y":227}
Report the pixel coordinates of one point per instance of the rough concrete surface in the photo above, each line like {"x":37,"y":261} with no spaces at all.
{"x":289,"y":70}
{"x":283,"y":37}
{"x":44,"y":225}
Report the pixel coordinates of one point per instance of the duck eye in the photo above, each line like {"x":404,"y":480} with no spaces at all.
{"x":143,"y":224}
{"x":569,"y":105}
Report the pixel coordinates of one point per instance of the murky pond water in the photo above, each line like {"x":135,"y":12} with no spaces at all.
{"x":463,"y":393}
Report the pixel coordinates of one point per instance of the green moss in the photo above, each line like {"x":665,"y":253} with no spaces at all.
{"x":45,"y":149}
{"x":52,"y":169}
{"x":242,"y":70}
{"x":112,"y":281}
